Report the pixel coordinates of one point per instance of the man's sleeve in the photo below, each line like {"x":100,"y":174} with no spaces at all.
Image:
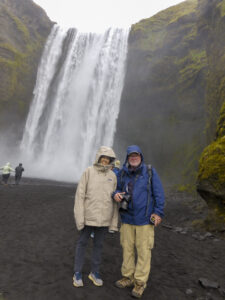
{"x":158,"y":194}
{"x":119,"y":187}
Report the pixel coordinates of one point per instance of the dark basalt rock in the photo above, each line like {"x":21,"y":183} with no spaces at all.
{"x":208,"y":284}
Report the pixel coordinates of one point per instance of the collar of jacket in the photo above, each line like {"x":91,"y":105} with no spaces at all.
{"x":130,"y":172}
{"x":102,"y":168}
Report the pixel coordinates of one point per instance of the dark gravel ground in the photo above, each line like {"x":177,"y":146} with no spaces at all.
{"x":37,"y":241}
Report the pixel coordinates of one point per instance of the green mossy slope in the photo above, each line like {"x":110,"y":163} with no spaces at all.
{"x":23,"y":32}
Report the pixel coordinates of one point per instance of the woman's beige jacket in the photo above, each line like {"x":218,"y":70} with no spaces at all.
{"x":94,"y":205}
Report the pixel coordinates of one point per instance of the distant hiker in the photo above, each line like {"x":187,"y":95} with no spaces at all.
{"x":142,"y":203}
{"x":18,"y":173}
{"x":95,"y":211}
{"x":6,"y":172}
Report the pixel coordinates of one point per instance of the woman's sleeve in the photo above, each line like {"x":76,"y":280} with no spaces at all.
{"x":79,"y":201}
{"x":114,"y":223}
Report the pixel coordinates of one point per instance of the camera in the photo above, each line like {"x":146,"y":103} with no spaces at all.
{"x":124,"y":203}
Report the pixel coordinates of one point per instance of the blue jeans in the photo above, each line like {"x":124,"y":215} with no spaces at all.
{"x":99,"y":233}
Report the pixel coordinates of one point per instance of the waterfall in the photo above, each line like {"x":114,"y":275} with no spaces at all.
{"x":76,"y":102}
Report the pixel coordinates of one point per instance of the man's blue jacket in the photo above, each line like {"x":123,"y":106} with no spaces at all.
{"x":140,"y":207}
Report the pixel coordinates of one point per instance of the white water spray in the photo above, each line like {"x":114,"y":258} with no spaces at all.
{"x":76,"y":102}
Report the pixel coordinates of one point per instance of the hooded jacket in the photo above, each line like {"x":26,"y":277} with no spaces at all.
{"x":94,"y":205}
{"x":7,"y":169}
{"x":19,"y":170}
{"x":139,"y":208}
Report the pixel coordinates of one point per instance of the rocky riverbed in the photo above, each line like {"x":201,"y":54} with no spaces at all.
{"x":37,"y":241}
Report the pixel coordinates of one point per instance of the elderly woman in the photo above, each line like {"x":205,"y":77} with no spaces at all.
{"x":95,"y":211}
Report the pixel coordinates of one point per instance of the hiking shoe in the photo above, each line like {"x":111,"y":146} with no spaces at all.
{"x":95,"y":278}
{"x":124,"y":282}
{"x":138,"y":289}
{"x":77,"y":279}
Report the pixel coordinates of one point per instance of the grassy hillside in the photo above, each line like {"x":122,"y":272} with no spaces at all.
{"x":23,"y":31}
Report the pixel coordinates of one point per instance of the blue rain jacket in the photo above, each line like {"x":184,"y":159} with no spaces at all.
{"x":116,"y":170}
{"x":140,"y":209}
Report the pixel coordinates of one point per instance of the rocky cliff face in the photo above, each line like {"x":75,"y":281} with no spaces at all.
{"x":24,"y":27}
{"x":211,"y":175}
{"x":173,"y":99}
{"x":164,"y":94}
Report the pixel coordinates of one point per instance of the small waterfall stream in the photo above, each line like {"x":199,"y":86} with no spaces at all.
{"x":76,"y":102}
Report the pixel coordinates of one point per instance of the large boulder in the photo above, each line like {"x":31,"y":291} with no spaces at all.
{"x":211,"y":175}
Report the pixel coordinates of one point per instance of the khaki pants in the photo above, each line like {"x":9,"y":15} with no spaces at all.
{"x":141,"y":238}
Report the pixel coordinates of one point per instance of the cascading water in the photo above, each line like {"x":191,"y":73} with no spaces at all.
{"x":76,"y":102}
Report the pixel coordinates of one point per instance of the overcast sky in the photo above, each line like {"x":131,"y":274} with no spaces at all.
{"x":97,"y":15}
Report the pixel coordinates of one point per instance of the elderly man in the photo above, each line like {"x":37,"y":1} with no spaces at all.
{"x":142,"y":210}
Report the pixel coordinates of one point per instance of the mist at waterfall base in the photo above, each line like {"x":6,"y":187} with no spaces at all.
{"x":75,"y":104}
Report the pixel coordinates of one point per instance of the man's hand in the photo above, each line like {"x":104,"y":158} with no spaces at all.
{"x":118,"y":197}
{"x":157,"y":219}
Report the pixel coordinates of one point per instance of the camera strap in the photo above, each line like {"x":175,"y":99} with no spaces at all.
{"x":133,"y":183}
{"x":135,"y":179}
{"x":149,"y":170}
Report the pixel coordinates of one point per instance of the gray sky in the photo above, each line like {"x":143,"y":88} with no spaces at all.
{"x":97,"y":15}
